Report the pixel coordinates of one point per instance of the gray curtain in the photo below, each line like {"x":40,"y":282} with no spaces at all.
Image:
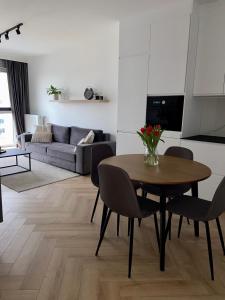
{"x":18,"y":91}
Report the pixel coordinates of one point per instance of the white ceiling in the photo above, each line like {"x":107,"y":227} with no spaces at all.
{"x":48,"y":23}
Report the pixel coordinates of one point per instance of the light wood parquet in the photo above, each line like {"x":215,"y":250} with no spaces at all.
{"x":47,"y":247}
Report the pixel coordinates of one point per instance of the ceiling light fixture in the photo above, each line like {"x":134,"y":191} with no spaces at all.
{"x":7,"y":35}
{"x":6,"y":32}
{"x":18,"y":29}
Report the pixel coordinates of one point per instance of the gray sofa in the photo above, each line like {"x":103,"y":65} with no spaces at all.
{"x":61,"y":153}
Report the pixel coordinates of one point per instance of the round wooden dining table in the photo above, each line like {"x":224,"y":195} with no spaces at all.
{"x":170,"y":171}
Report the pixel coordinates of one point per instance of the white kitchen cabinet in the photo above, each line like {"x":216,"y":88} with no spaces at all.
{"x":129,"y":143}
{"x":168,"y":142}
{"x":134,"y":37}
{"x":168,"y":55}
{"x":132,"y":93}
{"x":210,"y":154}
{"x":207,"y":188}
{"x":210,"y":62}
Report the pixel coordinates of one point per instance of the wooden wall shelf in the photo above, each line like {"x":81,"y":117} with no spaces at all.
{"x":80,"y":101}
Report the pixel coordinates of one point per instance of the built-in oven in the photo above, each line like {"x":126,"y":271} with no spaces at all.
{"x":166,"y":111}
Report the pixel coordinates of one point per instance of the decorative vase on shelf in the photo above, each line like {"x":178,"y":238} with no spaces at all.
{"x":151,"y":135}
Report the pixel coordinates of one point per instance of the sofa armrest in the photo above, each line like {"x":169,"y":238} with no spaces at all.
{"x":83,"y":156}
{"x":23,"y":139}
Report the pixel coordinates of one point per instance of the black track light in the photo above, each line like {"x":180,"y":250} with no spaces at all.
{"x":7,"y":35}
{"x":6,"y":32}
{"x":18,"y":29}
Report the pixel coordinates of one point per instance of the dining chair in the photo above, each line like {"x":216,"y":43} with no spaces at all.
{"x":172,"y":190}
{"x":98,"y":153}
{"x":118,"y":194}
{"x":204,"y":211}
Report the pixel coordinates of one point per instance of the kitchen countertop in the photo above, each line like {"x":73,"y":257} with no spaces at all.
{"x":207,"y":138}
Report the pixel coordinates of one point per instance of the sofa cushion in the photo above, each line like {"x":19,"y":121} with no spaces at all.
{"x":60,"y":134}
{"x":62,"y":151}
{"x":78,"y":133}
{"x":40,"y":148}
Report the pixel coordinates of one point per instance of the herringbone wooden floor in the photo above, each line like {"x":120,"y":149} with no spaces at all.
{"x":47,"y":250}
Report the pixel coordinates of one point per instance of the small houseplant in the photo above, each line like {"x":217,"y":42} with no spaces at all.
{"x":54,"y":92}
{"x":151,"y":135}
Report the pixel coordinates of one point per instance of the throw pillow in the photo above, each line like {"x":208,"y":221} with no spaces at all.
{"x":43,"y":128}
{"x":41,"y":137}
{"x":88,"y":139}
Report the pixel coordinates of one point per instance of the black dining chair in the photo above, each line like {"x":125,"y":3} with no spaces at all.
{"x":98,"y":153}
{"x":172,"y":190}
{"x":118,"y":194}
{"x":204,"y":211}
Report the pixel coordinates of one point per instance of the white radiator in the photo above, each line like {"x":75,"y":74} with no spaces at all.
{"x":31,"y":121}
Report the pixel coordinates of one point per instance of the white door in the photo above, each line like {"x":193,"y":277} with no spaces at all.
{"x":168,"y":56}
{"x":132,"y":93}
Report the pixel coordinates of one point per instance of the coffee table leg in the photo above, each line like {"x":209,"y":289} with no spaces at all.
{"x":162,"y":231}
{"x":16,"y":160}
{"x":194,"y":191}
{"x":29,"y":163}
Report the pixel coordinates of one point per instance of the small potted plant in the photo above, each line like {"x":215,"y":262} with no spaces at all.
{"x":151,"y":135}
{"x":54,"y":92}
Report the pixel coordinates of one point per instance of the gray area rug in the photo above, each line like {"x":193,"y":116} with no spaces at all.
{"x":41,"y":174}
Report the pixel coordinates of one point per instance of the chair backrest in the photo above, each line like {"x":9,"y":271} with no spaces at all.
{"x":218,"y":202}
{"x":179,"y":152}
{"x":117,"y":191}
{"x":98,"y":153}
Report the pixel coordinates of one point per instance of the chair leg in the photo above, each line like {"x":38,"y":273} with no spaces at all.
{"x":118,"y":225}
{"x":179,"y":227}
{"x":128,"y":228}
{"x":157,"y":230}
{"x":95,"y":205}
{"x":188,"y":221}
{"x":220,"y":234}
{"x":139,"y":222}
{"x":168,"y":226}
{"x":144,"y":194}
{"x":131,"y":246}
{"x":209,"y":249}
{"x":103,"y":231}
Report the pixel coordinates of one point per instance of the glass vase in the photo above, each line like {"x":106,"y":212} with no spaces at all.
{"x":151,"y":157}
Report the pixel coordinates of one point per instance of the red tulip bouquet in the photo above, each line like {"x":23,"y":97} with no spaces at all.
{"x":151,"y":135}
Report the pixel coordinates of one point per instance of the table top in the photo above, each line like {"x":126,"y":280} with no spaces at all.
{"x":171,"y":170}
{"x":14,"y":152}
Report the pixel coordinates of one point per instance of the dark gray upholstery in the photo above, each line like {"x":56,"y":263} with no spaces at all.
{"x":201,"y":210}
{"x":62,"y":154}
{"x":83,"y":156}
{"x":118,"y":194}
{"x":62,"y":151}
{"x":40,"y":148}
{"x":78,"y":133}
{"x":60,"y":134}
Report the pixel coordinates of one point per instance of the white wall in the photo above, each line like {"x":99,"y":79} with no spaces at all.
{"x":92,"y":61}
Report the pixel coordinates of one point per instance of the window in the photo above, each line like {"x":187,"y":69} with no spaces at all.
{"x":6,"y":120}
